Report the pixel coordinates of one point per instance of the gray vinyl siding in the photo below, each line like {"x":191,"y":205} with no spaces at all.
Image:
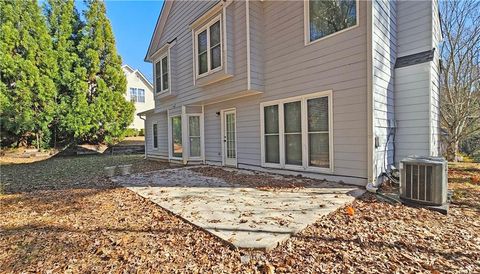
{"x":337,"y":63}
{"x":435,"y":79}
{"x":181,"y":16}
{"x":282,"y":66}
{"x":384,"y":56}
{"x":412,"y":99}
{"x":161,"y":120}
{"x":257,"y":34}
{"x":414,"y":20}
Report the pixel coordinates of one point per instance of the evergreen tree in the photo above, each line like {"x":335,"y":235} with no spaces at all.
{"x":109,"y":113}
{"x":65,"y":28}
{"x":27,"y":67}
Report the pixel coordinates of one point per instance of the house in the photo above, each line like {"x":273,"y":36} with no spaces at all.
{"x":339,"y":89}
{"x":140,"y":92}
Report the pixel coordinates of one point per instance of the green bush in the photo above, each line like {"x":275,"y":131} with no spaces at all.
{"x":131,"y":132}
{"x":141,"y":132}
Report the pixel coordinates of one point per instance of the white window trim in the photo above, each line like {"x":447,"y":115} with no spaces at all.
{"x":281,"y":123}
{"x":159,"y":59}
{"x":222,"y":134}
{"x":170,"y":138}
{"x":138,"y":95}
{"x":200,"y":117}
{"x":206,"y":26}
{"x":153,"y":137}
{"x":306,"y":23}
{"x":186,"y":137}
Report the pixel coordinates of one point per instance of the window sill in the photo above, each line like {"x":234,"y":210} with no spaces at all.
{"x":211,"y":78}
{"x":164,"y":94}
{"x":299,"y":168}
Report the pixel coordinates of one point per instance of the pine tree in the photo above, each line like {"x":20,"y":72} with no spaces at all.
{"x":65,"y":28}
{"x":109,"y":112}
{"x":27,"y":67}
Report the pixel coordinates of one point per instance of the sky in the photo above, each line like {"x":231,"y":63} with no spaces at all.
{"x":133,"y":23}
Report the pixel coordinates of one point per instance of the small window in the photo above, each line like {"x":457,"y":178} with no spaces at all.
{"x":133,"y":95}
{"x":272,"y":136}
{"x":155,"y":136}
{"x":326,"y":17}
{"x":194,"y":135}
{"x":177,"y":147}
{"x":209,"y":47}
{"x":141,"y":95}
{"x":162,"y":75}
{"x":293,"y":133}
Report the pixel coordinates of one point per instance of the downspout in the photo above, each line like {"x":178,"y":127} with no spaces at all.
{"x":247,"y":23}
{"x":145,"y":134}
{"x":371,"y":183}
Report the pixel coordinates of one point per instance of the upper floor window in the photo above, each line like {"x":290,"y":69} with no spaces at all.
{"x":141,"y":95}
{"x":137,"y":95}
{"x":208,"y":47}
{"x":326,"y":17}
{"x":162,"y":70}
{"x":133,"y":95}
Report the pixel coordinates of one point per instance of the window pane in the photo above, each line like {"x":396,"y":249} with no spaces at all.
{"x":194,"y":125}
{"x":271,"y":119}
{"x":133,"y":95}
{"x":292,"y":113}
{"x":272,"y":154}
{"x":202,"y":63}
{"x":293,"y":149}
{"x":165,"y":73}
{"x":215,"y":57}
{"x":318,"y":114}
{"x":158,"y":84}
{"x":194,"y":146}
{"x":158,"y":72}
{"x":330,"y":16}
{"x":202,"y":42}
{"x":158,"y":76}
{"x":230,"y":132}
{"x":215,"y":34}
{"x":318,"y":150}
{"x":165,"y":65}
{"x":177,"y":136}
{"x":165,"y":81}
{"x":155,"y":136}
{"x":141,"y":95}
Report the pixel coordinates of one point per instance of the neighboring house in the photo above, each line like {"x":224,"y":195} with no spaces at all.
{"x":139,"y":91}
{"x":271,"y":85}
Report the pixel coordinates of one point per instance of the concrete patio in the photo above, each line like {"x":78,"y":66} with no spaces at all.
{"x":245,"y":216}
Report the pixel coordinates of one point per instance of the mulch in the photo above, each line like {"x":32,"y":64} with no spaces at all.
{"x":95,"y":230}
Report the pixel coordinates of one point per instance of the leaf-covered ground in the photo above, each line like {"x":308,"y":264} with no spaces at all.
{"x":62,"y":215}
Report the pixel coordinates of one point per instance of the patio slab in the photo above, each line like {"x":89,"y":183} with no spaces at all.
{"x":246,"y":217}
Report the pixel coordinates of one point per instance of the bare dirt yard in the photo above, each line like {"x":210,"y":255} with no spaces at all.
{"x":62,"y":215}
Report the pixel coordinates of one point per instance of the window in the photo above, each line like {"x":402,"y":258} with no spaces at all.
{"x":194,"y":135}
{"x":293,"y":133}
{"x":133,"y":95}
{"x":318,"y":132}
{"x":208,"y":43}
{"x":137,"y":95}
{"x":177,"y":147}
{"x":162,"y":75}
{"x":296,"y":132}
{"x":272,"y":137}
{"x":141,"y":95}
{"x":326,"y":17}
{"x":155,"y":136}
